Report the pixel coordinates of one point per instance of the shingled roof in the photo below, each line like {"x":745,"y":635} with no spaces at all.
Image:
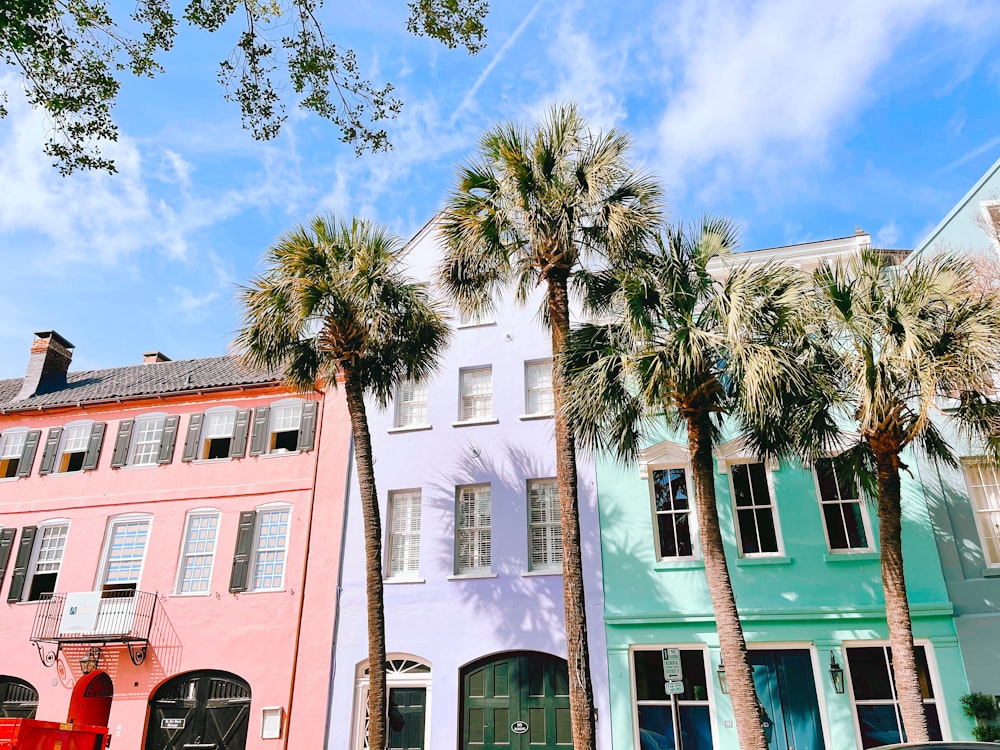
{"x":158,"y":378}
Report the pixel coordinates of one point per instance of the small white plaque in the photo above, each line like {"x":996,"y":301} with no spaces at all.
{"x":673,"y":688}
{"x":80,"y":612}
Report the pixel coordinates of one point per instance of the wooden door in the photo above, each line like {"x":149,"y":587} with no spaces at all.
{"x":18,"y":699}
{"x":208,"y":710}
{"x":407,"y":717}
{"x":787,"y":690}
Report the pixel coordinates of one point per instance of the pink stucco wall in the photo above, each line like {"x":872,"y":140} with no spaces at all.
{"x":279,"y":642}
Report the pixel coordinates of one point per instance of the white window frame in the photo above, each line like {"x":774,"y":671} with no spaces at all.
{"x":865,"y":521}
{"x":398,"y":675}
{"x":404,"y":406}
{"x":984,"y":515}
{"x":529,"y":411}
{"x":476,"y":531}
{"x":12,"y":432}
{"x":113,"y":523}
{"x":932,"y":673}
{"x":272,"y":430}
{"x":159,"y":421}
{"x":256,"y":549}
{"x":634,"y":696}
{"x":474,"y":397}
{"x":407,"y":539}
{"x":692,"y":514}
{"x":199,"y":513}
{"x":206,"y":434}
{"x":772,"y":505}
{"x":36,"y":548}
{"x":462,"y":320}
{"x":62,"y":453}
{"x":551,"y":530}
{"x":992,"y":227}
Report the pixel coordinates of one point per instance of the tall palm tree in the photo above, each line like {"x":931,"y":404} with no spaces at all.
{"x":333,"y":304}
{"x":701,"y":354}
{"x":902,"y":344}
{"x":535,"y":204}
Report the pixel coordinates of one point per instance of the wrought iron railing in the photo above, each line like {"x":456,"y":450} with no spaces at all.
{"x":121,"y":616}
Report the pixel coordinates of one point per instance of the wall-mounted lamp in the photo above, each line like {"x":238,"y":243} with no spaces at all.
{"x":836,"y":674}
{"x":723,"y":680}
{"x":91,"y":661}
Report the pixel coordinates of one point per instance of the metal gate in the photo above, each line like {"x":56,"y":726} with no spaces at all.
{"x":18,"y":699}
{"x":206,"y":709}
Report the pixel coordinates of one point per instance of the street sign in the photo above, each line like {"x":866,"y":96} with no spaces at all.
{"x":672,"y":664}
{"x":673,"y":688}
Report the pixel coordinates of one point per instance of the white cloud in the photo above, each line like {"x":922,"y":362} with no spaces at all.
{"x":887,"y":235}
{"x":766,"y":85}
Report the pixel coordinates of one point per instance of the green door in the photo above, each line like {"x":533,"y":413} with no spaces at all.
{"x":407,"y":711}
{"x":516,"y":702}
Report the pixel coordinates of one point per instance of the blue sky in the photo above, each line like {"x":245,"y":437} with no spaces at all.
{"x":801,"y":120}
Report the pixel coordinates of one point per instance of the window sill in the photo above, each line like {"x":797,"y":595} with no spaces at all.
{"x":540,"y":415}
{"x":259,"y":591}
{"x":276,"y":454}
{"x":409,"y":428}
{"x":470,"y":576}
{"x":195,"y":595}
{"x":773,"y":560}
{"x":991,"y":572}
{"x":692,"y":564}
{"x":134,"y":467}
{"x":401,"y":581}
{"x":536,"y":573}
{"x":473,"y":422}
{"x":484,"y":324}
{"x":849,"y":557}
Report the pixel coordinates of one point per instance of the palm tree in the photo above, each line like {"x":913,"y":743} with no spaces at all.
{"x":333,"y":304}
{"x":898,"y":343}
{"x":529,"y":210}
{"x":701,"y":354}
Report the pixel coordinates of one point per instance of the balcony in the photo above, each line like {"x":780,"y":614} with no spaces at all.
{"x":99,"y":618}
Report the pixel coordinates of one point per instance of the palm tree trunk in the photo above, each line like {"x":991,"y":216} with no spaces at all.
{"x":897,"y":609}
{"x":742,"y":693}
{"x":377,"y":710}
{"x":581,"y":690}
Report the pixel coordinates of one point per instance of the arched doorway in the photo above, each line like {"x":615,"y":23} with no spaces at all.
{"x":408,"y":680}
{"x":90,"y":703}
{"x":207,"y":708}
{"x":18,"y":699}
{"x":514,"y":701}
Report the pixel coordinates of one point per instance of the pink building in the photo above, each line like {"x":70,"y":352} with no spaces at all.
{"x":164,"y":523}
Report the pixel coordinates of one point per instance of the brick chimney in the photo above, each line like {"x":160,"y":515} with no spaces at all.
{"x":151,"y":358}
{"x":47,"y":366}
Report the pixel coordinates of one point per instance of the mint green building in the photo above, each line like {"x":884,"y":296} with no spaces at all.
{"x":803,"y":556}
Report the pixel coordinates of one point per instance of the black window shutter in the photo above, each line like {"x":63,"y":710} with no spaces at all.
{"x":51,"y":449}
{"x":6,"y":544}
{"x":120,"y":454}
{"x":193,"y":439}
{"x":241,"y":558}
{"x":238,"y":447}
{"x":94,"y":449}
{"x":307,"y":427}
{"x":169,"y":439}
{"x":28,"y":456}
{"x":261,"y":436}
{"x":21,"y":564}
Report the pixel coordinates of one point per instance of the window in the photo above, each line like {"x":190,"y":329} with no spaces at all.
{"x":147,"y":434}
{"x":17,"y":451}
{"x":983,"y":480}
{"x":655,"y":711}
{"x":75,"y":447}
{"x":75,"y":441}
{"x":50,"y":544}
{"x":538,"y":387}
{"x":217,"y":433}
{"x":124,"y":553}
{"x":404,"y":534}
{"x":844,"y":517}
{"x":198,"y":553}
{"x":270,"y":543}
{"x":411,"y":404}
{"x":874,"y":694}
{"x":147,"y":440}
{"x":477,"y":394}
{"x":284,"y":427}
{"x":544,"y":530}
{"x":756,"y":524}
{"x":467,"y":320}
{"x":473,"y":526}
{"x":672,"y":510}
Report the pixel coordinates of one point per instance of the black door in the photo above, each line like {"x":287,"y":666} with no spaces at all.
{"x":18,"y":699}
{"x":207,"y":710}
{"x":515,"y":702}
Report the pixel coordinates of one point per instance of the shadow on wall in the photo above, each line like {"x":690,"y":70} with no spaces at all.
{"x":512,"y":604}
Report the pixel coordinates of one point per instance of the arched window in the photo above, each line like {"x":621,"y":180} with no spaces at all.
{"x":18,"y":699}
{"x":408,"y":682}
